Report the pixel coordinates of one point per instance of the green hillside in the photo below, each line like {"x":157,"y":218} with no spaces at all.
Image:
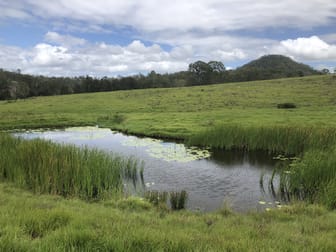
{"x":181,"y":112}
{"x":273,"y":67}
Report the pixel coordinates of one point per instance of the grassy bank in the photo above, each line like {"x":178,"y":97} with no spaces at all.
{"x":50,"y":223}
{"x":46,"y":167}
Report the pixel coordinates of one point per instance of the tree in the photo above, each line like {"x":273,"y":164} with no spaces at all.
{"x":200,"y":72}
{"x":217,"y":66}
{"x":325,"y":71}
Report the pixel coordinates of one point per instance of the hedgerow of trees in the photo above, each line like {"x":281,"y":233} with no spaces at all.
{"x":14,"y":85}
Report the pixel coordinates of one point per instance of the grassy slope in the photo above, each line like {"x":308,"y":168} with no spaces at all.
{"x":71,"y":224}
{"x":180,"y":112}
{"x":49,"y":223}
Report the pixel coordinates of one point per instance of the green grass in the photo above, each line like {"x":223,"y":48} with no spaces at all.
{"x":182,"y":112}
{"x":46,"y":167}
{"x":239,"y":115}
{"x":50,"y":223}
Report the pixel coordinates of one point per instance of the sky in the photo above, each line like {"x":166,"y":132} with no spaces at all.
{"x":125,"y":37}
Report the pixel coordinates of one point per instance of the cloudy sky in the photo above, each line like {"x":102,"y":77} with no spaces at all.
{"x":122,"y":37}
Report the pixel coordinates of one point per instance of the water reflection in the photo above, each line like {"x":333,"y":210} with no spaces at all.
{"x":262,"y":159}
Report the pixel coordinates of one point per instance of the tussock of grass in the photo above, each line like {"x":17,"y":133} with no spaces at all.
{"x":46,"y":167}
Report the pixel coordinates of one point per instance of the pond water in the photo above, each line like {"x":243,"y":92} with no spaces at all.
{"x":210,"y":176}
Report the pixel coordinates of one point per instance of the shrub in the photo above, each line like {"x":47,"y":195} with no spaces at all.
{"x":286,"y":105}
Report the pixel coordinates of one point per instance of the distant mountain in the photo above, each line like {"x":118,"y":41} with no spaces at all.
{"x":272,"y":67}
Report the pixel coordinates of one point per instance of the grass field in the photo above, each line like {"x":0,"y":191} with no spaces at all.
{"x":182,"y":112}
{"x":242,"y":115}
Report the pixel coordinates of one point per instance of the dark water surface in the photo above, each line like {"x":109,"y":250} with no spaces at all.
{"x":209,"y":176}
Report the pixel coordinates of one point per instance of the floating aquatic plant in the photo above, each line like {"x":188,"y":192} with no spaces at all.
{"x":85,"y":133}
{"x":168,"y":151}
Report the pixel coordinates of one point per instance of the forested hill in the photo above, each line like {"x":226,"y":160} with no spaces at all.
{"x":272,"y":67}
{"x":14,"y":85}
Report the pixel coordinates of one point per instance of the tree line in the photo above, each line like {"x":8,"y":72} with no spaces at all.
{"x":14,"y":85}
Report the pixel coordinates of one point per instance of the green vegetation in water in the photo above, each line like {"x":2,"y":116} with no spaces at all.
{"x":46,"y":167}
{"x":313,"y":177}
{"x":178,"y":199}
{"x":88,"y":133}
{"x":168,"y":151}
{"x":157,"y":198}
{"x":288,"y":140}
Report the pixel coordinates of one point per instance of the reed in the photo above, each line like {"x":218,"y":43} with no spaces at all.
{"x":313,"y":178}
{"x":178,"y":199}
{"x":156,"y":197}
{"x":46,"y":167}
{"x":288,"y":140}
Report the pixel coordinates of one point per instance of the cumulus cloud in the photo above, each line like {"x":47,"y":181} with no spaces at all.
{"x":64,"y":40}
{"x":97,"y":59}
{"x":312,"y":48}
{"x":193,"y":30}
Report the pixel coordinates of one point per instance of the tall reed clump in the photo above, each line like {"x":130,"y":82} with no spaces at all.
{"x":46,"y":167}
{"x":289,"y":140}
{"x":313,"y":178}
{"x":156,"y":197}
{"x":178,"y":199}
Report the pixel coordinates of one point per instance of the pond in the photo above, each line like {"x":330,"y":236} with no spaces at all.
{"x":210,"y":176}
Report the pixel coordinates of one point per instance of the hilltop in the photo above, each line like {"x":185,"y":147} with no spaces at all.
{"x":272,"y":67}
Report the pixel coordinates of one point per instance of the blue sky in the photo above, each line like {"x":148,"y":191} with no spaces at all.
{"x":111,"y":38}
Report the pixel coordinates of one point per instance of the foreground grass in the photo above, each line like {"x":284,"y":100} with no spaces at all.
{"x":51,"y":223}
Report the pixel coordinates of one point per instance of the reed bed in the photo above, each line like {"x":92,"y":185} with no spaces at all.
{"x":313,"y":178}
{"x":287,"y":140}
{"x":67,"y":170}
{"x":310,"y":176}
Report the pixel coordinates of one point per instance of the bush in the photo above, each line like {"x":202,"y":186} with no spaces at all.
{"x":286,"y":105}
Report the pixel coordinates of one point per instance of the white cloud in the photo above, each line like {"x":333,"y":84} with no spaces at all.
{"x":97,"y":59}
{"x":64,"y":40}
{"x":183,"y":15}
{"x":312,"y":48}
{"x":194,"y":30}
{"x":48,"y":55}
{"x":13,"y":9}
